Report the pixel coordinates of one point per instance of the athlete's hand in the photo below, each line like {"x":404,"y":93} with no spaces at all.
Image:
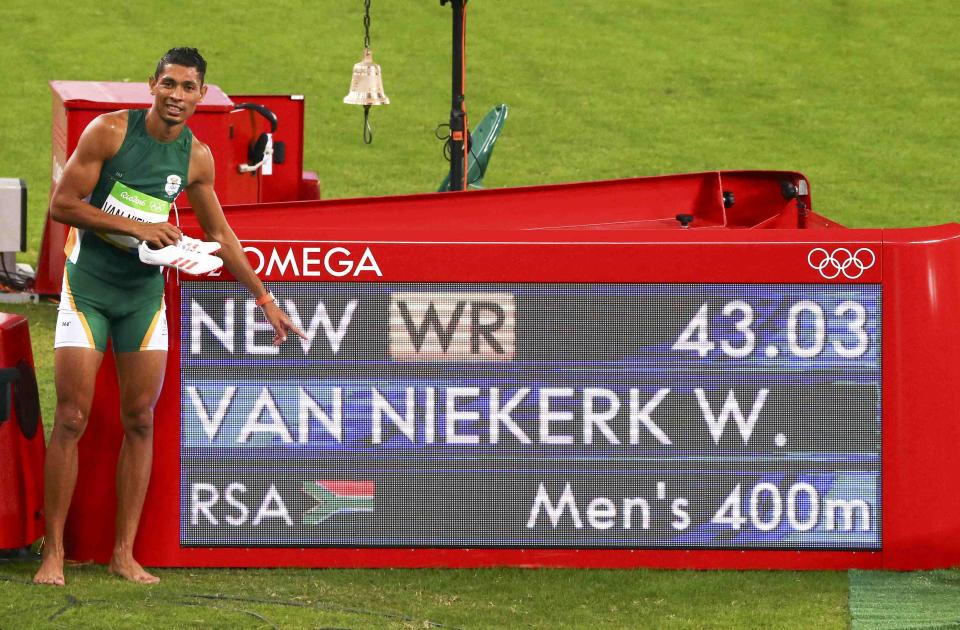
{"x":159,"y":235}
{"x":281,"y":323}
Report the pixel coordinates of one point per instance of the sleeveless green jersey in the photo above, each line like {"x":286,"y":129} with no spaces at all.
{"x":140,"y":182}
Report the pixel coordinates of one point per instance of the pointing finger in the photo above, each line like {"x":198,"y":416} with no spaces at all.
{"x":296,"y":330}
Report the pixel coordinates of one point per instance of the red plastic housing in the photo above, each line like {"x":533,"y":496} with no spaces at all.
{"x":226,"y":130}
{"x":21,"y":441}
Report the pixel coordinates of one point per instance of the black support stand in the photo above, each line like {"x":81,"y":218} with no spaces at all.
{"x":458,"y":112}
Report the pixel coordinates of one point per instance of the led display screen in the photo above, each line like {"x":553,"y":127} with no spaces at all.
{"x":678,"y":416}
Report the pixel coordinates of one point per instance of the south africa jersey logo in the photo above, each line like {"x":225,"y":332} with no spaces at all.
{"x":173,"y":185}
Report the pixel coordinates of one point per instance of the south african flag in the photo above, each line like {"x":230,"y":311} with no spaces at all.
{"x":337,"y":497}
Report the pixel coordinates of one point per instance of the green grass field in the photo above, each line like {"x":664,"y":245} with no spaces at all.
{"x":862,"y":97}
{"x":503,"y":598}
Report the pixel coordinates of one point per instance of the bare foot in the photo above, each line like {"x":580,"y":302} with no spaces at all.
{"x":50,"y":571}
{"x":130,"y":569}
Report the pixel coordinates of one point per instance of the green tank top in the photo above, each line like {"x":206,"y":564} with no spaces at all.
{"x":140,"y":182}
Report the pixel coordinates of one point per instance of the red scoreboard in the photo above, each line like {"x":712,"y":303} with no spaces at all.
{"x":688,"y":371}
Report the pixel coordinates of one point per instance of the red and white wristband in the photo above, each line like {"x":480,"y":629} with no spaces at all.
{"x":266,"y":297}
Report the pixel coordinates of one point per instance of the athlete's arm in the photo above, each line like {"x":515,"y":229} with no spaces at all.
{"x":210,"y":215}
{"x":99,"y":142}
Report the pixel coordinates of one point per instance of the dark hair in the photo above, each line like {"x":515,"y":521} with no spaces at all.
{"x":187,"y":57}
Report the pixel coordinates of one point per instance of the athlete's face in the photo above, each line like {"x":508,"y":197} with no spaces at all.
{"x":176,"y":93}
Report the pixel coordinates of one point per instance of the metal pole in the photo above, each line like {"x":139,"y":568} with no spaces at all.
{"x":458,"y":113}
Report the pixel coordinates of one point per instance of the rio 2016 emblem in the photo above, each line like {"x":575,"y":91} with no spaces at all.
{"x":841,"y":261}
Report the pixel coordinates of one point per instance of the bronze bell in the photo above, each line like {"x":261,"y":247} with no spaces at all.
{"x":366,"y":87}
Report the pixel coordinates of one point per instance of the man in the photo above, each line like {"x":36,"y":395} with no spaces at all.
{"x":115,"y":192}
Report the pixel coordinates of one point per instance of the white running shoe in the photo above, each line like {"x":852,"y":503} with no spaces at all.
{"x":192,"y":262}
{"x":196,"y":245}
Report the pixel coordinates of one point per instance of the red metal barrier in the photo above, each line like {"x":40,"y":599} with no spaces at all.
{"x":21,"y":439}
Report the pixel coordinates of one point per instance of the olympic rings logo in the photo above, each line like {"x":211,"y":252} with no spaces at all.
{"x":841,"y":261}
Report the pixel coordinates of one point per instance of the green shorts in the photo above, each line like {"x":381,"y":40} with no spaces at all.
{"x":92,"y":311}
